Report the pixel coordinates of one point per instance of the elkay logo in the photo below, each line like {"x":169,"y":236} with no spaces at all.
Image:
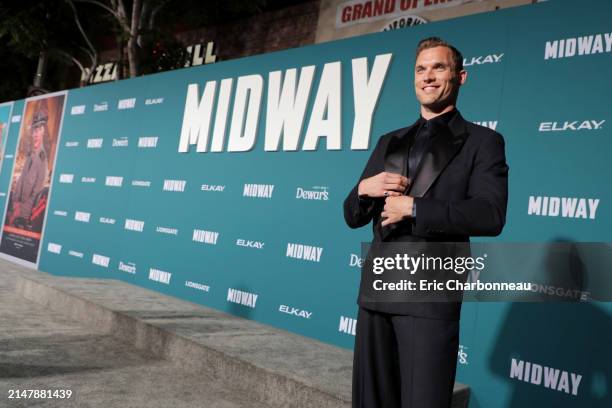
{"x":294,"y":311}
{"x":571,"y":125}
{"x":250,"y":244}
{"x":213,"y":187}
{"x":483,"y":59}
{"x":491,"y":124}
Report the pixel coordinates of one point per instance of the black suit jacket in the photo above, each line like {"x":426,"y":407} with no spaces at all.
{"x":460,"y":190}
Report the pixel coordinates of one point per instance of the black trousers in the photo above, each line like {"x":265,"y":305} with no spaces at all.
{"x":404,"y":361}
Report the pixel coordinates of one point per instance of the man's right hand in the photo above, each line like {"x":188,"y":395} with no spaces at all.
{"x":383,"y":184}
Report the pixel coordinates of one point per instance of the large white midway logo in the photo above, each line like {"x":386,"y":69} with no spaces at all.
{"x":576,"y":46}
{"x":287,"y":99}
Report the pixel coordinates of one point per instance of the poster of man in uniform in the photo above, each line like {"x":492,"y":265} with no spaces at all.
{"x":29,"y":188}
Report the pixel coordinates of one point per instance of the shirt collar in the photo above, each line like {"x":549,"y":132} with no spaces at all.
{"x":443,"y":119}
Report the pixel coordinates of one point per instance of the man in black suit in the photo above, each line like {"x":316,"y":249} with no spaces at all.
{"x":442,"y":179}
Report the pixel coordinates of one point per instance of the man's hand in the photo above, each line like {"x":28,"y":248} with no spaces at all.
{"x":396,"y":209}
{"x":383,"y":184}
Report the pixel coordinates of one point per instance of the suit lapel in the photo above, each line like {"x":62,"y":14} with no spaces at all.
{"x":442,"y":149}
{"x":397,"y":149}
{"x":396,"y":156}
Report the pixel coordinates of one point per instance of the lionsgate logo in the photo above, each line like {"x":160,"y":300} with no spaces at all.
{"x":250,"y":244}
{"x":159,"y":276}
{"x":129,"y":267}
{"x":242,"y":298}
{"x":167,"y":230}
{"x":317,"y":193}
{"x":141,"y":183}
{"x":66,"y":178}
{"x":147,"y":142}
{"x":482,"y":59}
{"x":54,"y":248}
{"x":347,"y":325}
{"x":114,"y":181}
{"x":76,"y":254}
{"x":566,"y":207}
{"x":77,"y":110}
{"x":95,"y":143}
{"x":294,"y":311}
{"x":174,"y":185}
{"x":100,"y":107}
{"x":491,"y":124}
{"x":258,"y":190}
{"x":100,"y":260}
{"x":205,"y":237}
{"x":198,"y":286}
{"x":126,"y":104}
{"x":547,"y":377}
{"x":72,"y":144}
{"x":88,"y":179}
{"x":82,"y":216}
{"x":120,"y":142}
{"x":133,"y":225}
{"x":577,"y":46}
{"x":572,"y":125}
{"x":305,"y":252}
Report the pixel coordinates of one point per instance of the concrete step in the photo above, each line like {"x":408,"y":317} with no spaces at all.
{"x":42,"y":349}
{"x":268,"y":365}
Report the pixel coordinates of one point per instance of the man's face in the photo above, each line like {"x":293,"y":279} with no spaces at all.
{"x":37,"y":137}
{"x":435,"y":81}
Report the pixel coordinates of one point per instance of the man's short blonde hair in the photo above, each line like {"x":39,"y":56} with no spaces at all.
{"x":433,"y":42}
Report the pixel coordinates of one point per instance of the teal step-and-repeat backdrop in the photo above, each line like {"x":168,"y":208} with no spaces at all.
{"x":223,"y":184}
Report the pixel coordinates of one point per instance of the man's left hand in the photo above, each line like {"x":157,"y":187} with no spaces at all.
{"x":396,"y":209}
